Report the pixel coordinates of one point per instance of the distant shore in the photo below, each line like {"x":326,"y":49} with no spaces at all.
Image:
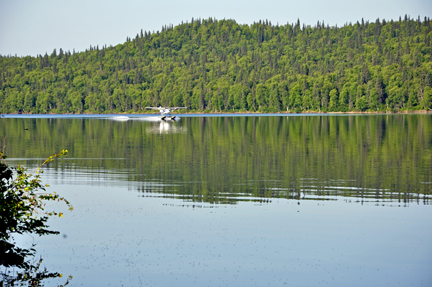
{"x":237,"y":112}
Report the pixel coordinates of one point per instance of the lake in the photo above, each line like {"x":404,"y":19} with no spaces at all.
{"x":277,"y":200}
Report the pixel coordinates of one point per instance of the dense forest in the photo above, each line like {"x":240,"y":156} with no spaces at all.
{"x":222,"y":66}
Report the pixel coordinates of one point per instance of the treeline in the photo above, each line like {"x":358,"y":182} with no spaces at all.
{"x":222,"y":66}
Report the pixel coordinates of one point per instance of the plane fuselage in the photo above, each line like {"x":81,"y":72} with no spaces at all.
{"x":166,"y":112}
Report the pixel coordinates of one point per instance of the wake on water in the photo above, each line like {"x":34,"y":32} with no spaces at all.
{"x":147,"y":119}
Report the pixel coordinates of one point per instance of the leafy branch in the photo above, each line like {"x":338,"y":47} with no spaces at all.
{"x":22,"y":210}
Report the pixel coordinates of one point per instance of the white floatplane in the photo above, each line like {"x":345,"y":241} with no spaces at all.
{"x":166,"y":112}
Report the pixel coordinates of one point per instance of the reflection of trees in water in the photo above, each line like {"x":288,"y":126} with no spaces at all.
{"x":265,"y":196}
{"x":384,"y":158}
{"x":227,"y":159}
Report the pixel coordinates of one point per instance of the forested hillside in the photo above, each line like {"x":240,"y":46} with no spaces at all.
{"x":222,"y":66}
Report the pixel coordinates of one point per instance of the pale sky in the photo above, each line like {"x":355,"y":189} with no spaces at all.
{"x":31,"y":27}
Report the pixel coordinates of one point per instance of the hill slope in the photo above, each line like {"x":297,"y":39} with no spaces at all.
{"x":210,"y":65}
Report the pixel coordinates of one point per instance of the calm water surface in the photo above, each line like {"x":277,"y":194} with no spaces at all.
{"x":236,"y":201}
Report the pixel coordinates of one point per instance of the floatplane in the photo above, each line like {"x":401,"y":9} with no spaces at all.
{"x":166,"y":112}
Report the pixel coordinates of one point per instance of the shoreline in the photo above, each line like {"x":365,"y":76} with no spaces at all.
{"x":238,"y":112}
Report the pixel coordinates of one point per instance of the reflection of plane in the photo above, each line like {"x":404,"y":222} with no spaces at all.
{"x":166,"y":112}
{"x":165,"y":127}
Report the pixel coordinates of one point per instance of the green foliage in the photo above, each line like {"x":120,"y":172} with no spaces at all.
{"x":222,"y":66}
{"x":22,"y":211}
{"x":362,"y":103}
